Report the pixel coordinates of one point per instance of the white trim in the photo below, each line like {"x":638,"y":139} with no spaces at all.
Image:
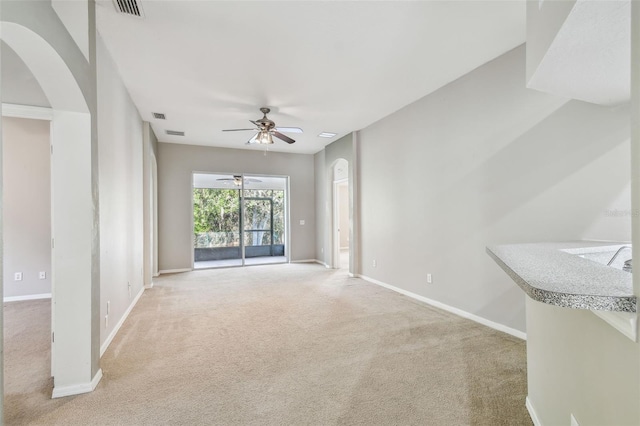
{"x":464,"y":314}
{"x":115,"y":330}
{"x":305,"y":261}
{"x":27,"y":297}
{"x":149,"y":286}
{"x":27,"y":111}
{"x":174,"y":271}
{"x":625,"y":322}
{"x":532,"y":413}
{"x":59,"y":392}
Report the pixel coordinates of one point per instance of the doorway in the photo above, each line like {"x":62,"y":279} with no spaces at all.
{"x":239,"y":220}
{"x":341,"y":241}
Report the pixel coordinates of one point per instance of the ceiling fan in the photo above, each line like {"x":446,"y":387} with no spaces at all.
{"x":237,"y":180}
{"x":267,"y":129}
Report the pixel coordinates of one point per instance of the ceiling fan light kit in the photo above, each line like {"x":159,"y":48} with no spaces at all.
{"x":266,"y":130}
{"x":263,"y":137}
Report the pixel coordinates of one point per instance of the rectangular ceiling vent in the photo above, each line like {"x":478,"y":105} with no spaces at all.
{"x":129,"y":7}
{"x":159,"y":116}
{"x":175,"y":133}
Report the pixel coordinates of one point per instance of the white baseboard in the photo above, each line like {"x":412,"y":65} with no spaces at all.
{"x":149,"y":286}
{"x":311,"y":261}
{"x":27,"y":297}
{"x":59,"y":392}
{"x":464,"y":314}
{"x":532,"y":413}
{"x":174,"y":271}
{"x":115,"y":330}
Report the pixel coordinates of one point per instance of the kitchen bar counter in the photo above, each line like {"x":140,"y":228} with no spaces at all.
{"x":549,"y":274}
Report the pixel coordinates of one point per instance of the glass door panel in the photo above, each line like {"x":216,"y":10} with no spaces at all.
{"x":258,"y":215}
{"x":264,"y":225}
{"x":216,"y":221}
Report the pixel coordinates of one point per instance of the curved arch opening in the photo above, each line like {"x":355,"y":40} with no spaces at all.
{"x":340,"y":217}
{"x":74,"y":271}
{"x":49,"y":69}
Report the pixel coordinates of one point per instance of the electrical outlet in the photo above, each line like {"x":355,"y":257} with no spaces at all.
{"x":375,"y":263}
{"x":42,"y":275}
{"x":429,"y":280}
{"x":302,"y":222}
{"x":17,"y":276}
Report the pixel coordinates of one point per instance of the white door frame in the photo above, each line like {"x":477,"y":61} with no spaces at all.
{"x":335,"y":241}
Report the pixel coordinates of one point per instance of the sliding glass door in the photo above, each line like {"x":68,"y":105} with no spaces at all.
{"x":238,"y":220}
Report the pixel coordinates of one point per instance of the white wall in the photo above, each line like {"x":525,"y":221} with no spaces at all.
{"x":150,"y":150}
{"x":27,"y":206}
{"x":486,"y":161}
{"x":176,"y":163}
{"x":321,"y":204}
{"x":120,"y":138}
{"x":578,"y":364}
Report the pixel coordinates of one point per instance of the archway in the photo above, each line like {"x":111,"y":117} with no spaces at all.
{"x":74,"y":210}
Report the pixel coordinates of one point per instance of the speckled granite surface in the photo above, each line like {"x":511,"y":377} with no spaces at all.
{"x":549,"y":274}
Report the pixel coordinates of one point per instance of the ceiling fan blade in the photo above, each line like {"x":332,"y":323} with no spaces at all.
{"x":252,"y":140}
{"x":289,"y":129}
{"x":236,"y":130}
{"x":252,"y":180}
{"x":285,"y":138}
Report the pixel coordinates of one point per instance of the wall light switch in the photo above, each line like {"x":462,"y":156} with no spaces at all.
{"x":42,"y":275}
{"x":375,"y":263}
{"x":302,"y":222}
{"x":17,"y":276}
{"x":429,"y":280}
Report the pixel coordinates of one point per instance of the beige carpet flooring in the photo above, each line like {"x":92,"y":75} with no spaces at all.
{"x":291,"y":344}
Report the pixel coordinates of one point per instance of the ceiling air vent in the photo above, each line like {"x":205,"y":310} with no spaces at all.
{"x":159,"y":116}
{"x":129,"y":7}
{"x":175,"y":133}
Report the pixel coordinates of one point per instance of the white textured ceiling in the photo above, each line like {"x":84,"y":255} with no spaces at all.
{"x":590,"y":56}
{"x":323,"y":66}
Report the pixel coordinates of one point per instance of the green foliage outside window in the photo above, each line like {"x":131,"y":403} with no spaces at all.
{"x":216,"y":217}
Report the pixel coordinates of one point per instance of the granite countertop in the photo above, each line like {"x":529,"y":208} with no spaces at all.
{"x":551,"y":275}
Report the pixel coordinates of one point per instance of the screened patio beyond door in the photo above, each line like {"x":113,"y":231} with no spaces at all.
{"x":239,"y":220}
